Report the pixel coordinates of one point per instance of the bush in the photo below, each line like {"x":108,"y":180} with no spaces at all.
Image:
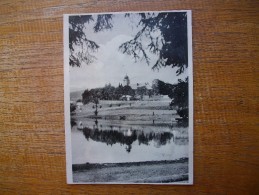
{"x":183,"y":112}
{"x":72,"y":108}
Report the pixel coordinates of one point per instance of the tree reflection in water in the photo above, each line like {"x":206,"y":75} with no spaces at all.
{"x":111,"y":137}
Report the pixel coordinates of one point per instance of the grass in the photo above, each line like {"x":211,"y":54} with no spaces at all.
{"x":158,"y":111}
{"x":132,"y":172}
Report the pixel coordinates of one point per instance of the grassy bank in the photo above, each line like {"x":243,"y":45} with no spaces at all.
{"x":159,"y":111}
{"x":132,"y":172}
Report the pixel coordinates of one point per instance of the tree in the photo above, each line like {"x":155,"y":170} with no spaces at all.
{"x":174,"y":49}
{"x":77,"y":38}
{"x":72,"y":108}
{"x":86,"y":96}
{"x":160,"y":87}
{"x":118,"y":92}
{"x":166,"y":33}
{"x":141,"y":91}
{"x":170,"y":45}
{"x":108,"y":92}
{"x":180,"y":98}
{"x":177,"y":92}
{"x":127,"y":90}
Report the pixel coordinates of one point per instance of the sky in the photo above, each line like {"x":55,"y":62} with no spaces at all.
{"x":111,"y":65}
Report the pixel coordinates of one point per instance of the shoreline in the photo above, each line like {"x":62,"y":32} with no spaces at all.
{"x":88,"y":166}
{"x":165,"y":171}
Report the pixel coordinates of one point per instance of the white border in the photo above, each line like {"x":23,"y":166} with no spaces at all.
{"x":67,"y":101}
{"x":190,"y":93}
{"x":67,"y":97}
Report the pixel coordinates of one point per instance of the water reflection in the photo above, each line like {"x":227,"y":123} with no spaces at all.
{"x":127,"y":137}
{"x":103,"y":141}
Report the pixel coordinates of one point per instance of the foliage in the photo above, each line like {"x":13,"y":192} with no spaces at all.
{"x":77,"y":38}
{"x":127,"y":90}
{"x":86,"y":96}
{"x":108,"y":92}
{"x":142,"y":91}
{"x":183,"y":112}
{"x":180,"y":98}
{"x":103,"y":22}
{"x":178,"y":93}
{"x":72,"y":108}
{"x":170,"y":44}
{"x":161,"y":88}
{"x":166,"y":32}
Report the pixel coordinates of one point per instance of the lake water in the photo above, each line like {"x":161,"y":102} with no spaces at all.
{"x":101,"y":142}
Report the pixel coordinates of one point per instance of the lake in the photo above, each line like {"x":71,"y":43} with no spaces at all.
{"x":101,"y":142}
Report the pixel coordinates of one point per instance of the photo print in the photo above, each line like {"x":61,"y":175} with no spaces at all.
{"x":129,"y":97}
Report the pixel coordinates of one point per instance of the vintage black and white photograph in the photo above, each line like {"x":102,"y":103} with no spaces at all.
{"x":129,"y":97}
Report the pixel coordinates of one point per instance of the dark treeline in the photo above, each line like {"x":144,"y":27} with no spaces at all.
{"x":111,"y":137}
{"x":108,"y":92}
{"x":177,"y":92}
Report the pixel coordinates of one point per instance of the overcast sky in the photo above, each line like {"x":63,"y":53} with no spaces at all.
{"x":112,"y":65}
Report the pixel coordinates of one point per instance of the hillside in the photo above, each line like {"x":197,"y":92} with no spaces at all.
{"x":76,"y":95}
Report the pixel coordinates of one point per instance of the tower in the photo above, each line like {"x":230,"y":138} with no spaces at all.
{"x":126,"y":81}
